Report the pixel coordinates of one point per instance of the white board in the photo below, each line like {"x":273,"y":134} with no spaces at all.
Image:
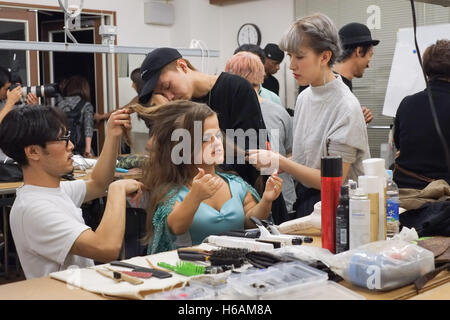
{"x":406,"y":76}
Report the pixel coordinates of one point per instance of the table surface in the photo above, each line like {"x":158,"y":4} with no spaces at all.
{"x":9,"y":187}
{"x":47,"y":288}
{"x":51,"y":289}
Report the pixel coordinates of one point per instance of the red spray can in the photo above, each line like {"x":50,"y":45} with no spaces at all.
{"x":331,"y":181}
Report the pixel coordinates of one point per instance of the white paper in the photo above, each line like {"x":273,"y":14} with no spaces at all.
{"x":406,"y":76}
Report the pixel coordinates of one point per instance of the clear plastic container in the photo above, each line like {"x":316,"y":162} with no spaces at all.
{"x":281,"y":279}
{"x":329,"y":290}
{"x":192,"y":292}
{"x":384,"y":265}
{"x":217,"y":283}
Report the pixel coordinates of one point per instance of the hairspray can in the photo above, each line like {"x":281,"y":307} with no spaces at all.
{"x":331,"y":181}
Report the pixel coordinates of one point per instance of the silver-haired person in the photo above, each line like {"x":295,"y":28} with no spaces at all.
{"x":328,"y":120}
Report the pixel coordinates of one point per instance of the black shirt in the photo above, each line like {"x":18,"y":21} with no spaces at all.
{"x":415,"y":135}
{"x":271,"y":83}
{"x":347,"y":82}
{"x":236,"y":104}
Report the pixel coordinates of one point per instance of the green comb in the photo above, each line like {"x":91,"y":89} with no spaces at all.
{"x":185,"y":268}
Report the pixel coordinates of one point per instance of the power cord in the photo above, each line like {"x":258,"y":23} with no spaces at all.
{"x":199,"y":44}
{"x":430,"y":98}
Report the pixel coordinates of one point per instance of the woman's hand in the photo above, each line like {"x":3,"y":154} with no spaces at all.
{"x":204,"y":186}
{"x":118,"y":121}
{"x":273,"y":187}
{"x":261,"y":159}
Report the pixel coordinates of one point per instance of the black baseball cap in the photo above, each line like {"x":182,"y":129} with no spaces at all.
{"x":274,"y":52}
{"x":151,"y":68}
{"x":354,"y":34}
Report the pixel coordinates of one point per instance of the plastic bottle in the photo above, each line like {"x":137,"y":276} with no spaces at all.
{"x":331,"y":182}
{"x":392,"y":206}
{"x":342,"y":221}
{"x":370,"y":185}
{"x":359,"y":219}
{"x":376,"y":167}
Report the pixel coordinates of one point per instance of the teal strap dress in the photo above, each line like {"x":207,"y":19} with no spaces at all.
{"x":207,"y":220}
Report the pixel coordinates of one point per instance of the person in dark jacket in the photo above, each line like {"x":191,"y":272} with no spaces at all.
{"x":421,"y":159}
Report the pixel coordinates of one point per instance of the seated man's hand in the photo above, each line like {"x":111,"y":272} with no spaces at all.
{"x":118,"y":122}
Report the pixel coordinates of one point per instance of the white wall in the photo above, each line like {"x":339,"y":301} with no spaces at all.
{"x":216,"y":26}
{"x":132,"y":30}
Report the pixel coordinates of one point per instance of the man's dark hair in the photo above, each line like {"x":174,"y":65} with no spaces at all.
{"x":76,"y":86}
{"x":135,"y":76}
{"x":436,"y":60}
{"x":348,"y":51}
{"x":5,"y":76}
{"x":30,"y":125}
{"x":253,"y":48}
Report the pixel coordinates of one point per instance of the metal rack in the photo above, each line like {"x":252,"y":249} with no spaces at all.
{"x":93,"y":48}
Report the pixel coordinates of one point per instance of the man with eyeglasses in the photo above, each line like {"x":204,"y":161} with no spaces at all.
{"x":46,"y":220}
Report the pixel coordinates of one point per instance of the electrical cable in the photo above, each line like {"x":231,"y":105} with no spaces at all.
{"x":203,"y":45}
{"x":430,"y":98}
{"x":200,"y":44}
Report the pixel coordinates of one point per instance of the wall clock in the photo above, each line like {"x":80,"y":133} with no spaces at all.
{"x":249,"y":33}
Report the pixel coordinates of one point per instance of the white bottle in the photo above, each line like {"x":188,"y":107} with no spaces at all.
{"x":370,"y":185}
{"x":392,"y":206}
{"x":359,"y":219}
{"x":376,"y":167}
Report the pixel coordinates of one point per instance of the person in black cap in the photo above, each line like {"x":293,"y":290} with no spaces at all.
{"x":357,"y":45}
{"x":274,"y":56}
{"x":164,"y":71}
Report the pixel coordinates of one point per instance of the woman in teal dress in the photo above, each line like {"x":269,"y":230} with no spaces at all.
{"x":189,"y":199}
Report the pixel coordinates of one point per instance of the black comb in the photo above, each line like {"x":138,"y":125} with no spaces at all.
{"x":156,"y":273}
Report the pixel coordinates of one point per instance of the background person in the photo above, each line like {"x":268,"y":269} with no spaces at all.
{"x":357,"y":45}
{"x":274,"y":56}
{"x":249,"y":66}
{"x":421,"y":159}
{"x":75,"y":102}
{"x":262,"y":91}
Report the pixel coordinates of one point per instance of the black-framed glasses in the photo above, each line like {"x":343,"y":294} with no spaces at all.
{"x":65,"y":138}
